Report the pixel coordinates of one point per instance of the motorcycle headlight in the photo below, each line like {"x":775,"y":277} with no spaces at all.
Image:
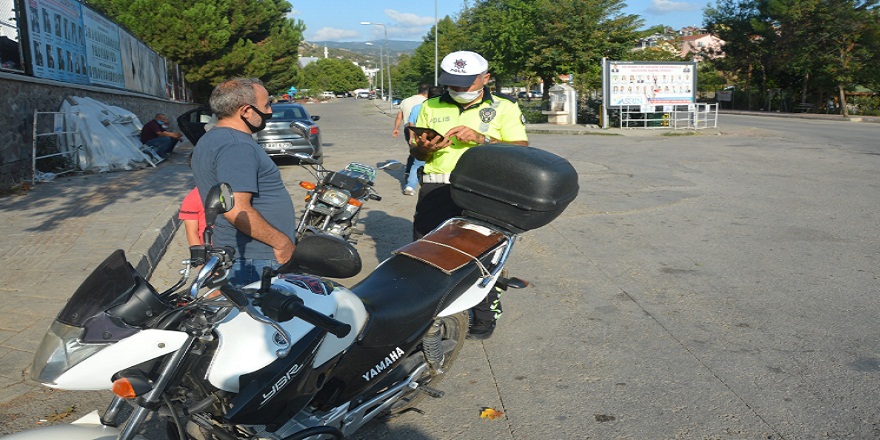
{"x":334,"y":197}
{"x":60,"y":351}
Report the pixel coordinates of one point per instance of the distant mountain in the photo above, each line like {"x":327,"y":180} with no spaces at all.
{"x":396,"y":47}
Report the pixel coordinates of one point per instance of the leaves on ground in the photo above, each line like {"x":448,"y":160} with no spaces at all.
{"x":490,"y":413}
{"x":605,"y":418}
{"x":60,"y":415}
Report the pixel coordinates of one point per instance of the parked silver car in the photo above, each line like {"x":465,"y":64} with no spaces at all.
{"x":279,"y":140}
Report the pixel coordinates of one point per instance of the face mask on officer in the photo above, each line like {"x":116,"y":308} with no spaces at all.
{"x":464,"y":97}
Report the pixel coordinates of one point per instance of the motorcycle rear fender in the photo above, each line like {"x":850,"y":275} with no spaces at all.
{"x":471,"y":297}
{"x":474,"y":294}
{"x":95,"y":372}
{"x":89,"y":427}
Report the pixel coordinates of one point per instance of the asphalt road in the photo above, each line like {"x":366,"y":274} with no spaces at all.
{"x":721,"y":285}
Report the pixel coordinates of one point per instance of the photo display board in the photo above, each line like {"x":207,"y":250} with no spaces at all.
{"x":58,"y":48}
{"x":102,"y":47}
{"x":648,"y":84}
{"x":70,"y":42}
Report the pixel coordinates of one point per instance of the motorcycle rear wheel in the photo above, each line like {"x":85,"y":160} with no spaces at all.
{"x":453,"y":330}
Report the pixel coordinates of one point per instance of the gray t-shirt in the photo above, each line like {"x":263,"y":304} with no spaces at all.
{"x":227,"y":155}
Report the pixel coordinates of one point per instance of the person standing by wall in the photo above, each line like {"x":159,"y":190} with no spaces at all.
{"x":262,"y":225}
{"x":403,"y":115}
{"x":467,"y":115}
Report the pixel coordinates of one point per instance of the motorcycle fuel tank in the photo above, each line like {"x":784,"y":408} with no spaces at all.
{"x":246,"y":345}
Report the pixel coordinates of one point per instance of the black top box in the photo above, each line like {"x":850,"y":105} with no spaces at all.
{"x":518,"y":188}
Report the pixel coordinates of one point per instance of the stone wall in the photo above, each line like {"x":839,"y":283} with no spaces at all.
{"x":22,"y":95}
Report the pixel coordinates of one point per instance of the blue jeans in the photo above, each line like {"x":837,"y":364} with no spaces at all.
{"x":163,"y":145}
{"x":246,"y":270}
{"x":413,"y":180}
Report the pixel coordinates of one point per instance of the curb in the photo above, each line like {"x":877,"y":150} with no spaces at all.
{"x":589,"y":131}
{"x":146,"y":252}
{"x":155,"y":245}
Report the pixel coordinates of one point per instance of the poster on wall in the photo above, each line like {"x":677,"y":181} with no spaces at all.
{"x":143,"y":69}
{"x":102,"y":50}
{"x":57,"y":40}
{"x":647,"y":84}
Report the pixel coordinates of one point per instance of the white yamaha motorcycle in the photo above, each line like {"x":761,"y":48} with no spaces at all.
{"x":296,"y":356}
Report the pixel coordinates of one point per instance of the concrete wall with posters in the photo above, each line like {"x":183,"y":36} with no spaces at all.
{"x":21,"y":96}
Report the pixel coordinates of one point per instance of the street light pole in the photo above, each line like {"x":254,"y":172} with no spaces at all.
{"x":385,"y":29}
{"x":381,"y":72}
{"x":436,"y":24}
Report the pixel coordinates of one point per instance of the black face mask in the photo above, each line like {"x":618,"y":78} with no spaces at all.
{"x":263,"y":118}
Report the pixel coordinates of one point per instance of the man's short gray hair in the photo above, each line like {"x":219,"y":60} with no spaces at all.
{"x":231,"y":94}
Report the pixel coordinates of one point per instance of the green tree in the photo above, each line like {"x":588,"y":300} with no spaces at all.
{"x":547,"y":38}
{"x":748,"y":46}
{"x":419,"y":68}
{"x":663,"y":51}
{"x":216,"y":40}
{"x":405,"y":80}
{"x":808,"y":47}
{"x":574,"y":35}
{"x":504,"y":32}
{"x":329,"y":74}
{"x":837,"y":40}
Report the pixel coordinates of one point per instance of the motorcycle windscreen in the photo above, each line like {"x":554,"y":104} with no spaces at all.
{"x":109,"y":284}
{"x":62,"y":346}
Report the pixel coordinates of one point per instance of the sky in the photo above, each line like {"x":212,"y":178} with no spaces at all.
{"x":339,"y":20}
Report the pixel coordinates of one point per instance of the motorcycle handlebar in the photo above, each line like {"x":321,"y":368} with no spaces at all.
{"x":281,"y":307}
{"x":236,"y":296}
{"x":322,"y":321}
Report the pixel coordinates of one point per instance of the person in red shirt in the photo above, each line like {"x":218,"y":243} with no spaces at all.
{"x":192,"y":212}
{"x":156,"y":135}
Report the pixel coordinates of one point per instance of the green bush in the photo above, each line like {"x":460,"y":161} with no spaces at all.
{"x":865,"y":105}
{"x":532,"y":111}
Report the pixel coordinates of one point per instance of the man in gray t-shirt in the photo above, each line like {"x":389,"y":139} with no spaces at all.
{"x":262,"y":224}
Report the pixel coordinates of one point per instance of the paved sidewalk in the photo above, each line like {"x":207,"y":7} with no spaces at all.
{"x":55,"y":235}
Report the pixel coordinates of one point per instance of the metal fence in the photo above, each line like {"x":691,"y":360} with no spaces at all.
{"x":677,"y":117}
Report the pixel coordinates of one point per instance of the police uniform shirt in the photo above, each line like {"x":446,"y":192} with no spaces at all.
{"x":497,"y":117}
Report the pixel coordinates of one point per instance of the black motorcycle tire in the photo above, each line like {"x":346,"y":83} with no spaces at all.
{"x":453,"y":330}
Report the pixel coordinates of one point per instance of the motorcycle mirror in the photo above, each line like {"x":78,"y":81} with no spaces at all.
{"x":303,"y":129}
{"x":300,"y":128}
{"x":391,"y":165}
{"x":218,"y":201}
{"x":304,"y":158}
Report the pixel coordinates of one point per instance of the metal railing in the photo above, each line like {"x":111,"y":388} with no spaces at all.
{"x":71,"y":145}
{"x":677,"y":117}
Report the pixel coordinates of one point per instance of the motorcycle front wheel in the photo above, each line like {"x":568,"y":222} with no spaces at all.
{"x":309,"y":225}
{"x":453,"y":330}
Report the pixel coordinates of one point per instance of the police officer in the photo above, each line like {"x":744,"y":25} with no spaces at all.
{"x":466,"y":115}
